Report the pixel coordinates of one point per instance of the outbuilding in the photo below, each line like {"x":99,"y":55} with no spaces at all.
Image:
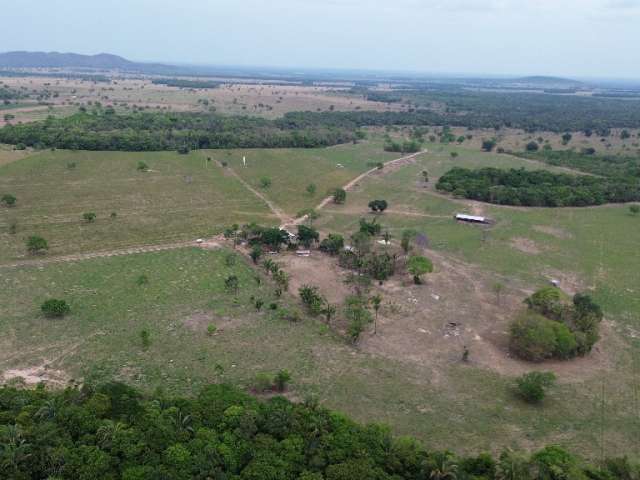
{"x":461,"y":217}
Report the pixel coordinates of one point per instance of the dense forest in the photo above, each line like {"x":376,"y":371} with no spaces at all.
{"x":146,"y":131}
{"x":112,"y":432}
{"x":603,"y":165}
{"x":537,"y":188}
{"x":528,"y":111}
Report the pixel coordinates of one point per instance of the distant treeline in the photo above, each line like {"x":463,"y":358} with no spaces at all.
{"x":529,"y":111}
{"x":537,"y":188}
{"x":9,"y":94}
{"x":89,"y":77}
{"x":153,"y":131}
{"x":181,"y":83}
{"x":113,"y":431}
{"x":603,"y":165}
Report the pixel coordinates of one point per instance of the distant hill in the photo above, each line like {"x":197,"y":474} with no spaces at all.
{"x":101,"y":61}
{"x":546,"y":82}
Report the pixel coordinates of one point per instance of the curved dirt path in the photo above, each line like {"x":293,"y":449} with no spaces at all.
{"x":355,"y":181}
{"x":110,"y":253}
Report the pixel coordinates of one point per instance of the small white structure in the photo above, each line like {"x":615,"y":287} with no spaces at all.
{"x":200,"y":240}
{"x":461,"y":217}
{"x":303,"y":253}
{"x":244,"y":162}
{"x":349,"y":248}
{"x":555,"y":282}
{"x":384,"y":242}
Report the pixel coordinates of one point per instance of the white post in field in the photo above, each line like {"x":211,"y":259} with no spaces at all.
{"x":244,"y":162}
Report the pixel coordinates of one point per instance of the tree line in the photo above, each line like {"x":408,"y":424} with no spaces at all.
{"x":182,"y":83}
{"x":537,"y":188}
{"x":154,"y":131}
{"x":113,"y":431}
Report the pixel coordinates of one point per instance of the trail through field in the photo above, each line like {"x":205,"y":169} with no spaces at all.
{"x":358,"y":179}
{"x":278,"y":212}
{"x":111,"y":253}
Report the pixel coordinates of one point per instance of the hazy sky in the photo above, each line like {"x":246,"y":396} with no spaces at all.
{"x":556,"y":37}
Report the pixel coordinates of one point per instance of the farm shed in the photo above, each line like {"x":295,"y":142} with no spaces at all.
{"x":461,"y":217}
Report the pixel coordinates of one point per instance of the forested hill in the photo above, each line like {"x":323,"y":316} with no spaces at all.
{"x":113,"y":432}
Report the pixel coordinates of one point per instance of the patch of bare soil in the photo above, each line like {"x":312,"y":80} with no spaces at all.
{"x":319,"y":270}
{"x":457,"y":307}
{"x":34,"y":375}
{"x":525,"y":245}
{"x":569,"y":282}
{"x":199,"y":322}
{"x":553,"y":231}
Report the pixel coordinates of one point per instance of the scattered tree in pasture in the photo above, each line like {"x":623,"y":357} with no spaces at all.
{"x":332,"y":244}
{"x":498,"y":288}
{"x":311,"y":189}
{"x":232,"y":284}
{"x":89,"y":217}
{"x":357,"y":315}
{"x":282,"y":378}
{"x":142,"y":167}
{"x":55,"y":308}
{"x":454,"y":154}
{"x":378,"y":206}
{"x":371,"y":228}
{"x":311,"y":298}
{"x":418,"y":266}
{"x":489,"y":145}
{"x":339,"y":196}
{"x":307,"y":235}
{"x":634,"y":209}
{"x":211,"y":329}
{"x":376,"y":302}
{"x":532,"y":147}
{"x":256,"y":253}
{"x":566,"y":138}
{"x":532,"y":386}
{"x":37,"y":245}
{"x":265,"y":182}
{"x":425,"y":176}
{"x":282,"y":281}
{"x":8,"y":200}
{"x":328,"y":310}
{"x":405,"y":240}
{"x":625,"y":134}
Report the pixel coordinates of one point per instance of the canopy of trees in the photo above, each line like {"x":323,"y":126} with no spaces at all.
{"x":537,"y":188}
{"x":152,"y":131}
{"x":113,"y":432}
{"x":182,"y":83}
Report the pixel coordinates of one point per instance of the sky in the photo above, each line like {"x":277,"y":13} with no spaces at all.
{"x":574,"y":38}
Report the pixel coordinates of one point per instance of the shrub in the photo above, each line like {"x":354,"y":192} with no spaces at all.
{"x":536,"y":338}
{"x":36,"y":245}
{"x":418,"y":266}
{"x":145,"y":338}
{"x":339,"y":196}
{"x":142,"y":280}
{"x":634,"y":209}
{"x":89,"y":217}
{"x":265,"y":182}
{"x":54,"y":308}
{"x":532,"y":386}
{"x":281,"y":379}
{"x":532,"y":147}
{"x":262,"y":382}
{"x":211,"y":329}
{"x":8,"y":200}
{"x":142,"y":167}
{"x":333,"y":244}
{"x":259,"y":303}
{"x":546,"y":301}
{"x":311,"y":298}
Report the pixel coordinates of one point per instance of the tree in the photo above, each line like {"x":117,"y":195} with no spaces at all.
{"x":55,"y":308}
{"x":256,"y":253}
{"x":311,"y":189}
{"x":37,"y":245}
{"x":265,"y":182}
{"x":339,"y":196}
{"x":634,"y":209}
{"x":281,"y":380}
{"x":532,"y":386}
{"x":489,"y":145}
{"x":566,"y":138}
{"x":418,"y":266}
{"x":425,"y":176}
{"x":332,"y":244}
{"x":8,"y":200}
{"x":142,"y":167}
{"x":442,"y":466}
{"x":328,"y":311}
{"x":231,"y":284}
{"x":357,"y":315}
{"x":532,"y":147}
{"x":498,"y":288}
{"x":372,"y":228}
{"x":406,"y":239}
{"x":376,"y":302}
{"x":625,"y":134}
{"x":311,"y":298}
{"x":307,"y":235}
{"x":378,"y":205}
{"x":89,"y":217}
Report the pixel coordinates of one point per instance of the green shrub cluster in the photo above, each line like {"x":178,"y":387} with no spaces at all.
{"x":553,"y":328}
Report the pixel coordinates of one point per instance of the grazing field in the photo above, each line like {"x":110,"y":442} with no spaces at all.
{"x":180,"y":197}
{"x":448,"y":403}
{"x":292,"y":170}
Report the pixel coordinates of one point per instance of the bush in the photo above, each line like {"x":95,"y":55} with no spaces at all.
{"x":54,"y":308}
{"x":532,"y":147}
{"x":536,"y":338}
{"x":339,"y":196}
{"x":8,"y":200}
{"x":333,"y":244}
{"x":281,"y":380}
{"x":265,"y":182}
{"x":211,"y":329}
{"x":532,"y":386}
{"x":142,"y":167}
{"x":145,"y":339}
{"x":89,"y":217}
{"x":262,"y":382}
{"x":36,"y":245}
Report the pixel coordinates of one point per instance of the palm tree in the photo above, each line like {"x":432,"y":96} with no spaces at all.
{"x":512,"y":466}
{"x":14,"y":449}
{"x":442,"y":467}
{"x":268,"y":265}
{"x":376,"y":301}
{"x":48,"y":410}
{"x":107,"y":432}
